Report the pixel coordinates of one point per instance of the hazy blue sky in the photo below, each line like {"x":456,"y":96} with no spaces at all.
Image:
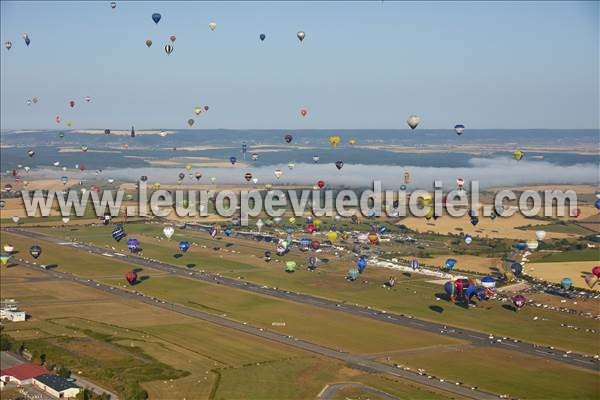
{"x":362,"y":64}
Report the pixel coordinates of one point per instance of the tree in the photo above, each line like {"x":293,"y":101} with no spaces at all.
{"x":6,"y":342}
{"x":64,"y":372}
{"x":42,"y":358}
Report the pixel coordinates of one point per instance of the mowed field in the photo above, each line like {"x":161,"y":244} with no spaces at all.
{"x":71,"y":323}
{"x":556,"y":271}
{"x":412,"y":294}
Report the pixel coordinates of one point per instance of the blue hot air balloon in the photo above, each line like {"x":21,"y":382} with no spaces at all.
{"x":305,"y":243}
{"x":133,"y":245}
{"x":459,"y":129}
{"x":118,"y":233}
{"x":488,"y":281}
{"x":156,"y":17}
{"x":184,"y":245}
{"x":232,"y":160}
{"x":450,"y":264}
{"x":566,"y":283}
{"x":449,"y":289}
{"x":481,"y":294}
{"x":516,"y":269}
{"x":361,"y":264}
{"x":521,"y":246}
{"x":470,"y":291}
{"x":597,"y":203}
{"x":468,"y":239}
{"x":228,"y":231}
{"x":262,"y":37}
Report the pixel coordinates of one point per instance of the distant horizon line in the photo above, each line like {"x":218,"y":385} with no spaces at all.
{"x":31,"y":130}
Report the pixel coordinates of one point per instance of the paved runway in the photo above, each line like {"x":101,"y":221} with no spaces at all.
{"x":474,"y":337}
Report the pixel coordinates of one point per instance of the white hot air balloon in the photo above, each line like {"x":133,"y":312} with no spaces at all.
{"x":540,"y":235}
{"x":278,"y":173}
{"x":212,"y":25}
{"x":301,"y":35}
{"x":168,"y":231}
{"x":66,"y":220}
{"x":16,"y":219}
{"x":9,"y":248}
{"x":413,"y":121}
{"x":532,"y":244}
{"x":259,"y":224}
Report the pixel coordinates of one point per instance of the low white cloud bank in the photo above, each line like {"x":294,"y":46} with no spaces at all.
{"x":493,"y":172}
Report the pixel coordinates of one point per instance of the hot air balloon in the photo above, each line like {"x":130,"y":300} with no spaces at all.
{"x":168,"y":231}
{"x":332,"y":236}
{"x":591,"y":280}
{"x":450,"y":264}
{"x":212,"y":25}
{"x":414,"y":264}
{"x":288,"y":138}
{"x":314,"y":244}
{"x":459,"y":129}
{"x":8,"y":248}
{"x":373,"y":238}
{"x":304,"y":112}
{"x":156,"y":17}
{"x":168,"y":49}
{"x":267,"y":256}
{"x":312,"y":262}
{"x":361,"y":264}
{"x":8,"y":45}
{"x":301,"y":35}
{"x":148,"y":42}
{"x":206,"y":108}
{"x":488,"y":282}
{"x":118,"y":233}
{"x":248,"y":176}
{"x":131,"y":277}
{"x":184,"y":245}
{"x":31,"y":153}
{"x":72,"y":103}
{"x":339,"y":164}
{"x":232,"y":160}
{"x":254,"y":156}
{"x":113,"y":5}
{"x":28,"y":102}
{"x":352,"y":142}
{"x":413,"y":121}
{"x":133,"y":245}
{"x":460,"y":182}
{"x":198,"y":175}
{"x":190,"y":122}
{"x":262,"y":37}
{"x":290,"y":266}
{"x":315,"y":159}
{"x":26,"y":38}
{"x":597,"y":204}
{"x":35,"y":251}
{"x":516,"y":269}
{"x":519,"y":301}
{"x":173,"y":38}
{"x":540,"y":235}
{"x":566,"y":283}
{"x":532,"y":244}
{"x":518,"y":155}
{"x":596,"y":271}
{"x":84,"y":148}
{"x":197,"y":110}
{"x":4,"y":257}
{"x":468,"y":239}
{"x":352,"y":274}
{"x":278,"y":173}
{"x":321,"y":184}
{"x":334,"y":140}
{"x":450,"y":290}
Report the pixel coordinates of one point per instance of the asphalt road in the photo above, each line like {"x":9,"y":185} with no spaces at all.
{"x":352,"y":360}
{"x":477,"y":338}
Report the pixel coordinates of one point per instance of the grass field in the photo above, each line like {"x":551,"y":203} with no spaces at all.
{"x":412,"y":294}
{"x":569,"y":256}
{"x":134,"y":337}
{"x":522,"y":376}
{"x":556,"y":271}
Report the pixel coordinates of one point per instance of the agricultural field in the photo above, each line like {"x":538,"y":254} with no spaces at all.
{"x":166,"y":353}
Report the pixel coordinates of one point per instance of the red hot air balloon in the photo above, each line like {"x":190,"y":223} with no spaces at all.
{"x":596,"y":271}
{"x":131,"y":277}
{"x":72,"y":103}
{"x":310,"y":228}
{"x":304,"y":112}
{"x":205,"y":108}
{"x":321,"y":184}
{"x":57,"y":119}
{"x":315,"y":244}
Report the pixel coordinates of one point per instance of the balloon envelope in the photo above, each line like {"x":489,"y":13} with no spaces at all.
{"x":156,"y":17}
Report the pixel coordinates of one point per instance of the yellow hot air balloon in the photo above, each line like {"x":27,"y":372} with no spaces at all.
{"x":292,"y":220}
{"x":197,"y":110}
{"x":156,"y":185}
{"x":188,"y":167}
{"x":317,"y":223}
{"x":518,"y":155}
{"x":69,"y":124}
{"x":268,"y":186}
{"x":426,"y":199}
{"x":332,"y":236}
{"x":429,"y":214}
{"x":352,"y":142}
{"x":334,"y":140}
